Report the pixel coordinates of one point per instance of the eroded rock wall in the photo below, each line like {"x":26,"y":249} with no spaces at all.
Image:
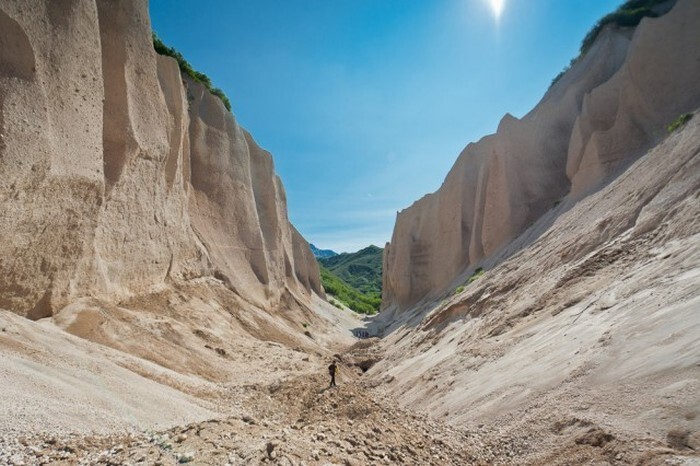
{"x":611,"y":106}
{"x":621,"y":118}
{"x":117,"y":176}
{"x":239,"y":208}
{"x":51,"y":176}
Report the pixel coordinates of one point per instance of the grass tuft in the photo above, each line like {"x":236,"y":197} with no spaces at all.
{"x":476,"y":275}
{"x":679,"y":122}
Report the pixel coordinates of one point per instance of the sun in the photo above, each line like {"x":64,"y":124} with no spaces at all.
{"x":497,"y":7}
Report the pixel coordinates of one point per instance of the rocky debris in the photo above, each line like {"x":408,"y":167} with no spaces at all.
{"x":693,"y":441}
{"x":249,"y":420}
{"x":270,"y":448}
{"x":595,"y":437}
{"x":219,"y":351}
{"x":683,"y":438}
{"x":300,"y":421}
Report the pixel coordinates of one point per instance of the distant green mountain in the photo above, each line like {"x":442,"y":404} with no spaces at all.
{"x":358,"y":302}
{"x":322,"y":253}
{"x":361,"y":271}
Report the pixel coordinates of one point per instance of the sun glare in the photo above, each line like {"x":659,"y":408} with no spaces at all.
{"x":497,"y":7}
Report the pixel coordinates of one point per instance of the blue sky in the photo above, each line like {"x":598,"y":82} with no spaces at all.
{"x":365,"y":104}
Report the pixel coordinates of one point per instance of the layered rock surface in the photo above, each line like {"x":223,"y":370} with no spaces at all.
{"x":606,"y":111}
{"x":118,"y":178}
{"x":582,"y":340}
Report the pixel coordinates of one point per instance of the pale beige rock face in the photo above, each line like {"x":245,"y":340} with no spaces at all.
{"x":51,"y":177}
{"x":623,"y":117}
{"x":594,"y":317}
{"x":143,"y":231}
{"x":117,"y":177}
{"x":610,"y":107}
{"x":238,"y":208}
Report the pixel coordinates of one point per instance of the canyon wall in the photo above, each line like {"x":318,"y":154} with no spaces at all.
{"x":611,"y":106}
{"x":119,"y":176}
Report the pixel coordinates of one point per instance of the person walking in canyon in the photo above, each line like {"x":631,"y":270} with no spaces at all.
{"x":332,"y":370}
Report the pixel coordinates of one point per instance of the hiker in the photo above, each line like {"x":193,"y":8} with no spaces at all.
{"x":332,"y":370}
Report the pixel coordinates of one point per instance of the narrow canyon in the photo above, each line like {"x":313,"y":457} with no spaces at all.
{"x":158,"y":307}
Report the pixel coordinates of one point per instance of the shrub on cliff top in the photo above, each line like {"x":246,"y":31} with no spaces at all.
{"x":187,"y":69}
{"x":629,"y":14}
{"x":679,"y":122}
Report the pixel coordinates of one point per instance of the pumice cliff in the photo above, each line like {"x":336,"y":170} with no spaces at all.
{"x":118,"y":176}
{"x":157,"y":307}
{"x":606,"y":111}
{"x":584,"y":217}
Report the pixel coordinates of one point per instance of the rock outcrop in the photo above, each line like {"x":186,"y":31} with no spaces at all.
{"x":607,"y":110}
{"x":593,"y":323}
{"x":119,"y":176}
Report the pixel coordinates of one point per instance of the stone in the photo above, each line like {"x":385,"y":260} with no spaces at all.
{"x":678,"y":438}
{"x":249,"y":419}
{"x":270,"y":448}
{"x":693,"y":441}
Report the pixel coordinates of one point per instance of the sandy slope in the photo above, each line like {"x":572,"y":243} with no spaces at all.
{"x":606,"y":111}
{"x":594,"y":321}
{"x":164,"y":359}
{"x":300,"y":421}
{"x":52,"y":380}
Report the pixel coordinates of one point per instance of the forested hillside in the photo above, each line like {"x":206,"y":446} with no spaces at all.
{"x":355,"y":278}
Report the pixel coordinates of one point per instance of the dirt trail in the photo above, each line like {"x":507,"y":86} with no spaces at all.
{"x":301,"y":421}
{"x":293,"y":422}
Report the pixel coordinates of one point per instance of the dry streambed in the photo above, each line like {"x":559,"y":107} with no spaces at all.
{"x":302,"y":421}
{"x":295,"y":422}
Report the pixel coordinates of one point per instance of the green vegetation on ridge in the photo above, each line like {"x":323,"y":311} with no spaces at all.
{"x":472,"y":278}
{"x":679,"y":122}
{"x":187,"y":69}
{"x":362,"y":269}
{"x":355,"y":279}
{"x":358,"y":302}
{"x":629,"y":14}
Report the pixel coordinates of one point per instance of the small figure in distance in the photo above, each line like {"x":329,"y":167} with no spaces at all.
{"x":332,"y":370}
